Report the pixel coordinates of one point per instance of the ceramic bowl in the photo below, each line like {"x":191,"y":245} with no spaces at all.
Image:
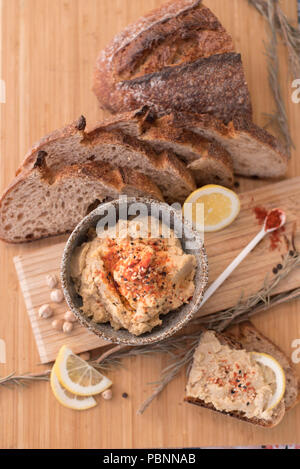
{"x":172,"y":322}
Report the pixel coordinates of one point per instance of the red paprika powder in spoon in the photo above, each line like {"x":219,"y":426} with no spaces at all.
{"x":273,"y":220}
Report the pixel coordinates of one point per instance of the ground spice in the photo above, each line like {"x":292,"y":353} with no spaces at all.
{"x":261,"y":214}
{"x":273,"y":220}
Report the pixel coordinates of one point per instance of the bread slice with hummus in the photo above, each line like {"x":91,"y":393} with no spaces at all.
{"x":225,"y":378}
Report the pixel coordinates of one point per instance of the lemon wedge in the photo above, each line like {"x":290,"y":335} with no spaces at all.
{"x":215,"y":207}
{"x":77,"y":376}
{"x":68,"y":399}
{"x":270,"y":362}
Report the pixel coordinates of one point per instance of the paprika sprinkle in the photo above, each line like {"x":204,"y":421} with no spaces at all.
{"x":273,"y":220}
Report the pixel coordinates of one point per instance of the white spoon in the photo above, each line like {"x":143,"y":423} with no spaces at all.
{"x":218,"y":282}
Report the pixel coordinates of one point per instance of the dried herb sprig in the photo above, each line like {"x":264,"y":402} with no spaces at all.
{"x":289,"y":34}
{"x":278,"y":23}
{"x":257,"y":302}
{"x":22,"y":380}
{"x":279,"y":117}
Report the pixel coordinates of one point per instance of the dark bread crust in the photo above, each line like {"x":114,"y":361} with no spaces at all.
{"x":178,"y":32}
{"x":175,"y":36}
{"x":278,"y":412}
{"x":215,"y":85}
{"x":177,"y":26}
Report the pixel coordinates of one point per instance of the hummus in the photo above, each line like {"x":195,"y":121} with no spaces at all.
{"x":130,"y":281}
{"x":230,"y":379}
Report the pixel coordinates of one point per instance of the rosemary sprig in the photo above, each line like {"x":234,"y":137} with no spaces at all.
{"x":279,"y":117}
{"x":22,"y":380}
{"x":257,"y":302}
{"x":289,"y":34}
{"x":278,"y":23}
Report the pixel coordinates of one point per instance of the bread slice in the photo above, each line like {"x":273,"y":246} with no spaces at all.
{"x":41,"y":203}
{"x":278,"y":412}
{"x":253,"y":340}
{"x":254,"y":151}
{"x":208,"y":161}
{"x":173,"y":36}
{"x":107,"y":143}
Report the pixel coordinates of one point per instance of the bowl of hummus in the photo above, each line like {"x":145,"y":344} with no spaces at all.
{"x":133,"y":271}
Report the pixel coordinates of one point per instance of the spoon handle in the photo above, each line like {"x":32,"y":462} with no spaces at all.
{"x":218,"y":282}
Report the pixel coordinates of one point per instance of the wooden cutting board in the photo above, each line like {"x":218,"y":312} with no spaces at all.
{"x":222,"y":247}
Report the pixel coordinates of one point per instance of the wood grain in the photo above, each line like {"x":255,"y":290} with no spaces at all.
{"x":48,"y":52}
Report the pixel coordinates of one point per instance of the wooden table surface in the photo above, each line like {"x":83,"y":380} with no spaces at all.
{"x":48,"y":49}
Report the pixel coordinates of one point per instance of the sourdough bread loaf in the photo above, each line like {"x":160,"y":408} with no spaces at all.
{"x":174,"y":36}
{"x":180,"y":60}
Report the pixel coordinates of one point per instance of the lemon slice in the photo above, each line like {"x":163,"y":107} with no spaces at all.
{"x":68,"y":399}
{"x":270,"y":362}
{"x":77,"y":376}
{"x":221,"y":207}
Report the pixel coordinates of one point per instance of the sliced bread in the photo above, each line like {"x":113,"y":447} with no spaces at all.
{"x":209,"y":162}
{"x":41,"y":203}
{"x":277,"y":413}
{"x":72,"y":145}
{"x":254,"y":151}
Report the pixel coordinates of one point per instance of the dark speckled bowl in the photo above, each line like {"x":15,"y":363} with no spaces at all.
{"x":171,"y":322}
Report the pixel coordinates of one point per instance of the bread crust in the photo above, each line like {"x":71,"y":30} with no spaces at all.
{"x":73,"y":130}
{"x":173,"y":38}
{"x":278,"y":412}
{"x":237,"y":127}
{"x":139,"y":45}
{"x":214,"y":85}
